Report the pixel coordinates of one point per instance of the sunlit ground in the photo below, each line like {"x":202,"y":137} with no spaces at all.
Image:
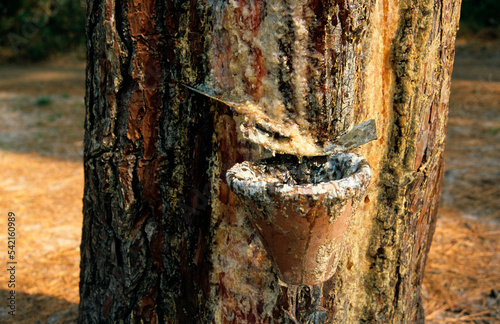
{"x":41,"y":181}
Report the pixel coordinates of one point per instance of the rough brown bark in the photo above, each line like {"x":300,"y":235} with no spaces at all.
{"x":164,"y":239}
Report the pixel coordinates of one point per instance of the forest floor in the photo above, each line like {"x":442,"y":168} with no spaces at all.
{"x":41,"y":149}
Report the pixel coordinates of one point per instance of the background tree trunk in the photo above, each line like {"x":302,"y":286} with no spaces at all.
{"x":164,"y":239}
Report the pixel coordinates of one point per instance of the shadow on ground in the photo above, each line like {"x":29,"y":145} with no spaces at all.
{"x":37,"y":308}
{"x":44,"y":79}
{"x":42,"y":109}
{"x":48,"y":125}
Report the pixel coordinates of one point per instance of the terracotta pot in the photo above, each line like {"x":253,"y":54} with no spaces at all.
{"x":301,"y":209}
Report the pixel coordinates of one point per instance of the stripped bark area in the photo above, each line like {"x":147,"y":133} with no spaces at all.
{"x":298,"y":60}
{"x":165,"y":240}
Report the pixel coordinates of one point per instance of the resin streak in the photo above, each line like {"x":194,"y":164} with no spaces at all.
{"x":296,"y":60}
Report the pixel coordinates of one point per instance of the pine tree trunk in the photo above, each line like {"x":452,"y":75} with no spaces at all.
{"x":164,"y":238}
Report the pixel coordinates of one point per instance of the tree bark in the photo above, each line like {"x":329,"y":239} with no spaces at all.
{"x":164,"y":239}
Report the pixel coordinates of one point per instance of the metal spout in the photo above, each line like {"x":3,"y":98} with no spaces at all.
{"x":301,"y":209}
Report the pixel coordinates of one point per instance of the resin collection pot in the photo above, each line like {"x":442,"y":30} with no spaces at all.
{"x":302,"y":209}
